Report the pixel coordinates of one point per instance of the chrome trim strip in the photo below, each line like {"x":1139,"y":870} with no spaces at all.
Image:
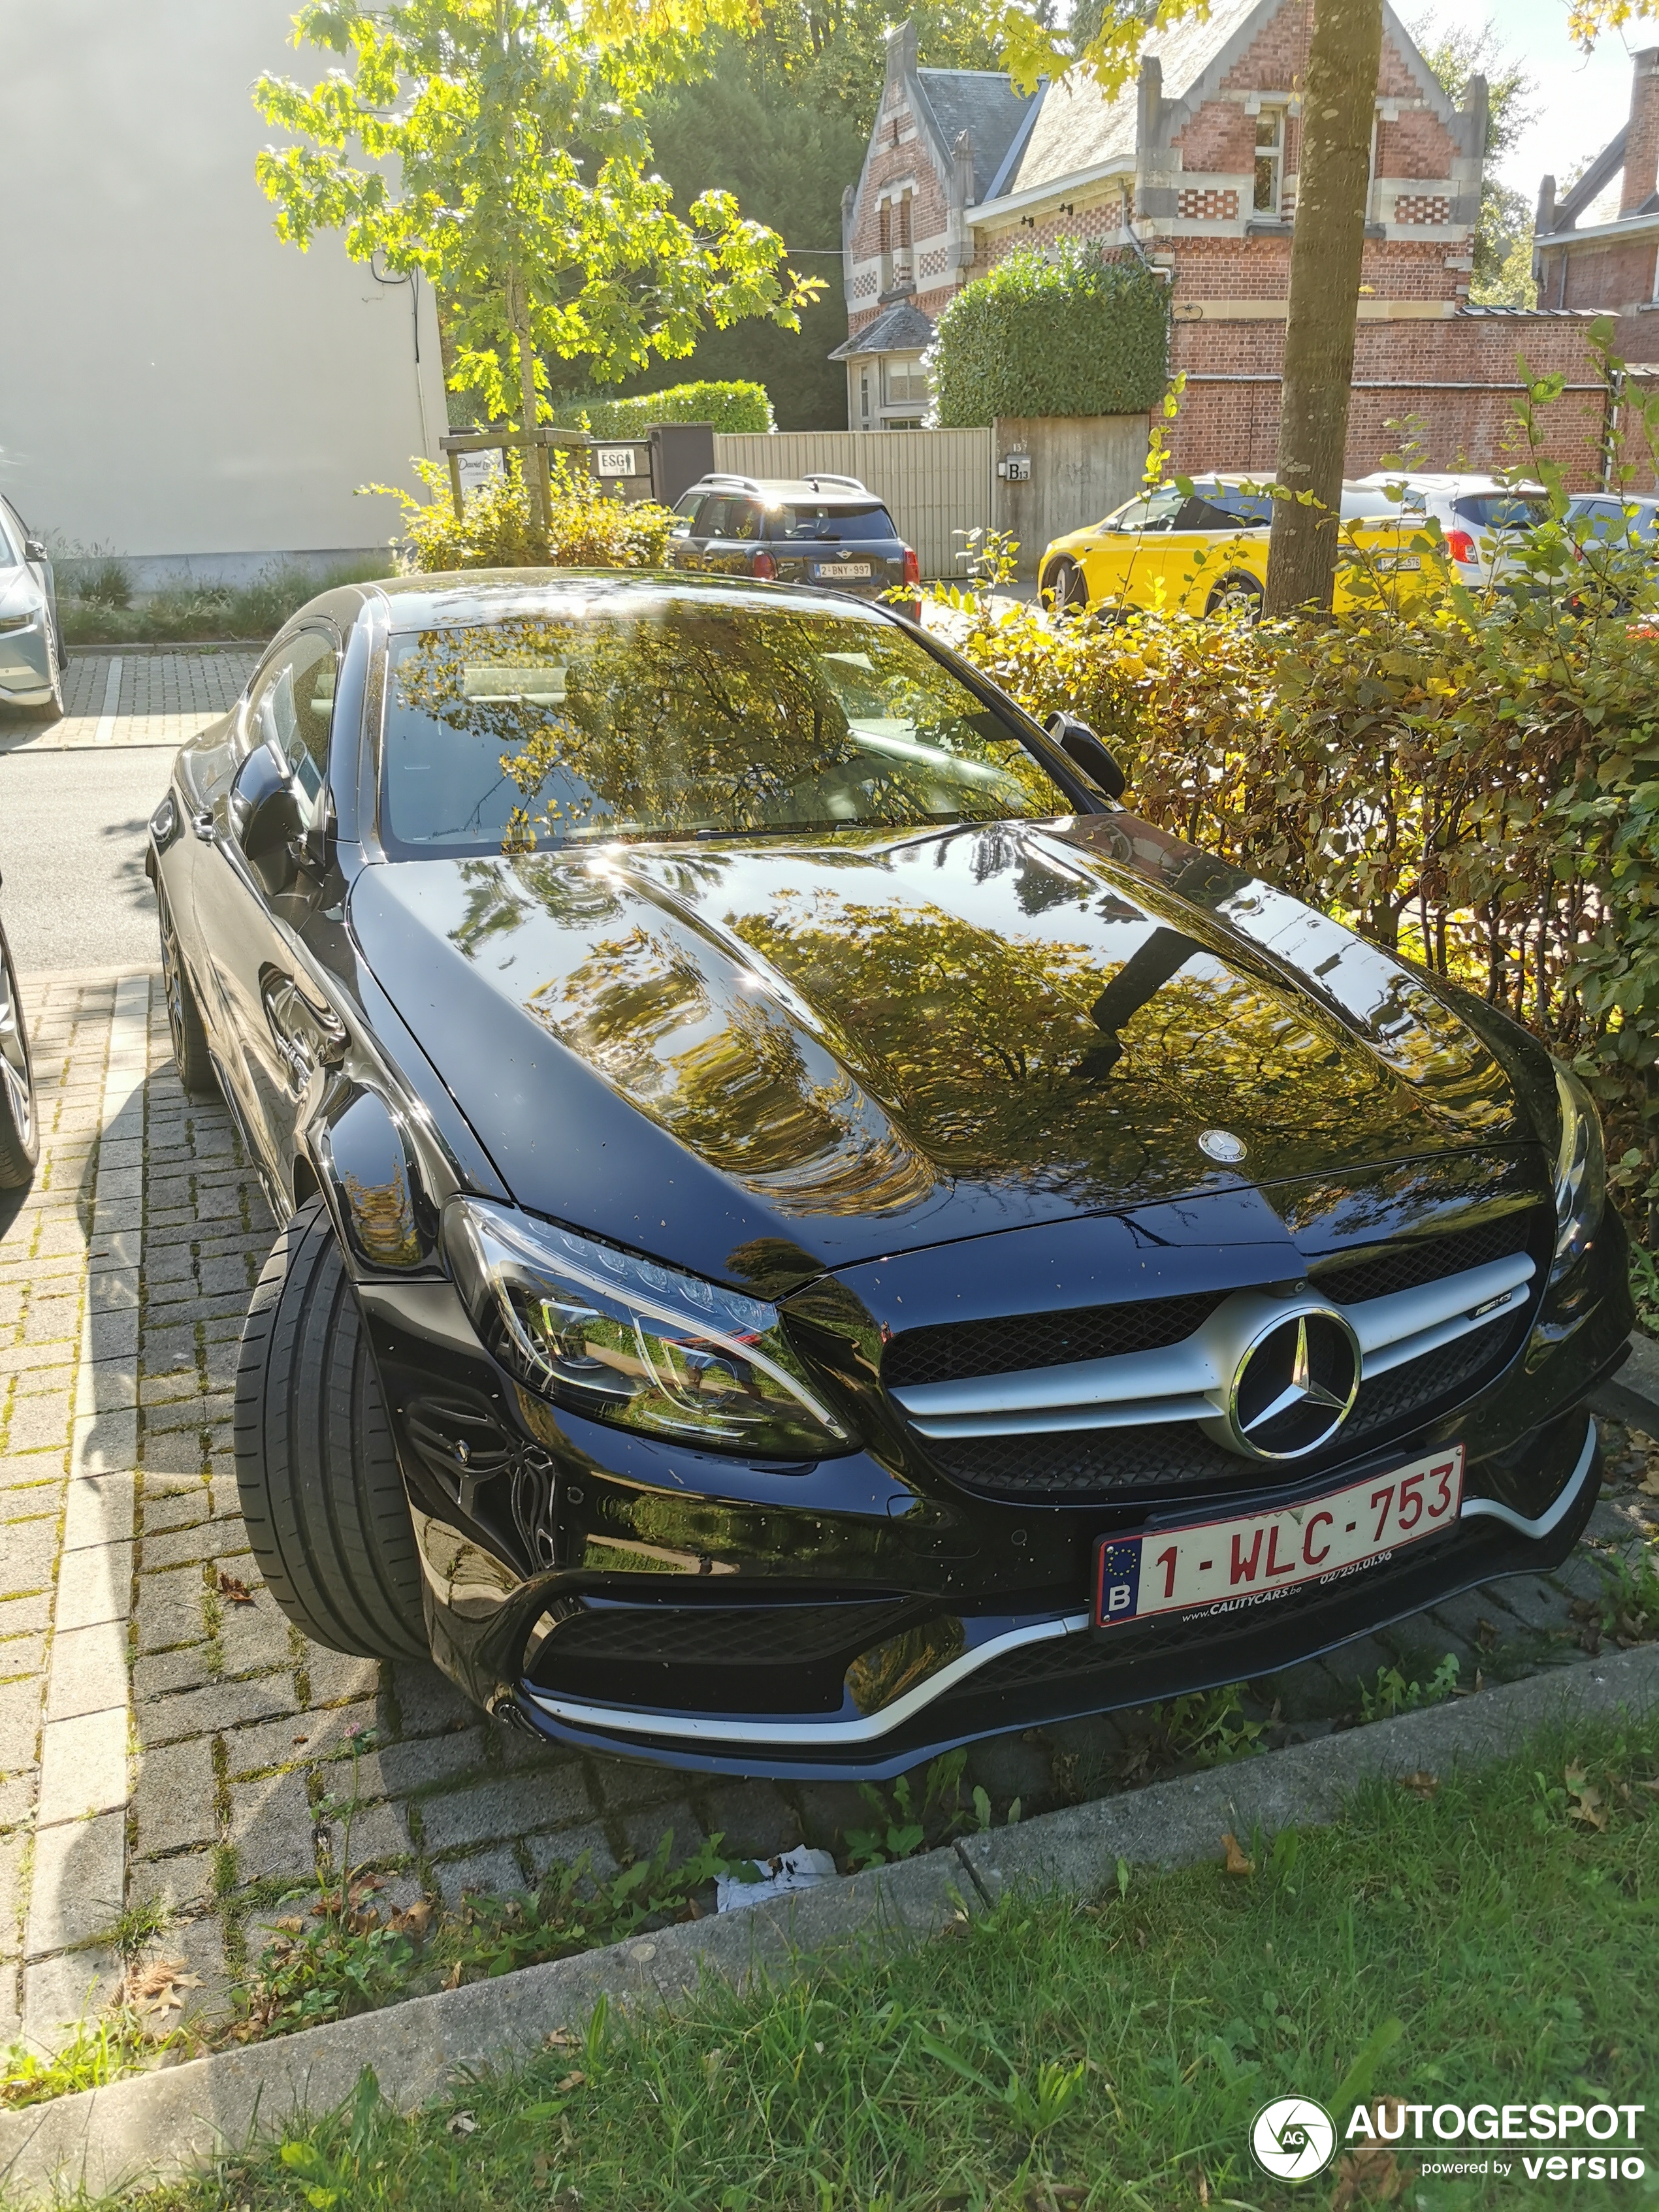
{"x":699,"y":1728}
{"x":1546,"y":1523}
{"x":1190,"y":1381}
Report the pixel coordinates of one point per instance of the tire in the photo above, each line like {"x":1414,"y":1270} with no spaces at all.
{"x":326,"y":1512}
{"x":1240,"y":592}
{"x":20,"y":1124}
{"x":189,"y":1044}
{"x":1064,"y":589}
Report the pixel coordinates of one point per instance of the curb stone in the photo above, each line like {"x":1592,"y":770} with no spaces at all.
{"x":155,"y":2126}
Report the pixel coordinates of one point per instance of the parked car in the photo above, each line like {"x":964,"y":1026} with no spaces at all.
{"x":829,"y":530}
{"x":811,"y":1234}
{"x":1482,"y":519}
{"x":19,"y":1127}
{"x":1206,"y":548}
{"x":1625,"y":519}
{"x":32,"y":655}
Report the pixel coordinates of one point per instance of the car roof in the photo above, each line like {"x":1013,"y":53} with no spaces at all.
{"x":824,"y":489}
{"x":1446,"y":481}
{"x":465,"y":596}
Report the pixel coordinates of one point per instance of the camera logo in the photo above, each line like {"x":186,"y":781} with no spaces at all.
{"x":1293,"y":2138}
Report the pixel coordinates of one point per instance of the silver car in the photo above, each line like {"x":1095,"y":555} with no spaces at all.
{"x":1482,"y":518}
{"x":32,"y":655}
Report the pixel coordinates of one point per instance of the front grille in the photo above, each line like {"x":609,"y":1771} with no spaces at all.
{"x":1021,"y":1341}
{"x":1080,"y":1466}
{"x":1404,"y":1267}
{"x":720,"y":1636}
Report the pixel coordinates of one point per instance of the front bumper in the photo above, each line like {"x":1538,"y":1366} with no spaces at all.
{"x":26,"y":670}
{"x":852,"y":1618}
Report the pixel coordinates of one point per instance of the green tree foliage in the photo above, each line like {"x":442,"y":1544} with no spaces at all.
{"x":585,"y":526}
{"x":500,"y":147}
{"x":1502,"y":243}
{"x":1066,"y":332}
{"x":782,"y":120}
{"x":732,"y":406}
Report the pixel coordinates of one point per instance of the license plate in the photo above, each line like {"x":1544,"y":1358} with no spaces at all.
{"x":839,"y":568}
{"x":1226,"y":1565}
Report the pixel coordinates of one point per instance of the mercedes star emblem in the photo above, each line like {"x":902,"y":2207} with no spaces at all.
{"x":1221,"y":1144}
{"x":1295,"y":1385}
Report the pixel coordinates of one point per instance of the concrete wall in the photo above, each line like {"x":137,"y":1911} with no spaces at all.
{"x":173,"y":382}
{"x":1082,"y":467}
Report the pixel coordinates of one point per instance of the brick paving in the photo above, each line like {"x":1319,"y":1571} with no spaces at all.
{"x":132,"y":698}
{"x":164,"y":1746}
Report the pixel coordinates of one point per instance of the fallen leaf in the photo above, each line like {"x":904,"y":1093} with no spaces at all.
{"x":299,"y":1740}
{"x":462,"y":2123}
{"x":1648,"y":1485}
{"x":558,"y":2039}
{"x":1236,"y":1861}
{"x":1589,"y":1808}
{"x":1203,"y":2186}
{"x":1421,"y":1784}
{"x":293,"y":1926}
{"x":570,"y":2082}
{"x":414,"y":1919}
{"x":1653,"y":1786}
{"x":452,"y":1978}
{"x":1370,"y":2175}
{"x":156,"y":1987}
{"x":1486,"y":1633}
{"x":235,"y":1589}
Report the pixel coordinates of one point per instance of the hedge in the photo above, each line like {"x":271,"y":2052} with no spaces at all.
{"x":1066,"y":332}
{"x":733,"y":406}
{"x":587,"y":528}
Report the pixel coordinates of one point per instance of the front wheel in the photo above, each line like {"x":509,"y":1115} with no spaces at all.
{"x":51,"y":708}
{"x":1065,"y":588}
{"x":19,"y":1125}
{"x":326,"y":1511}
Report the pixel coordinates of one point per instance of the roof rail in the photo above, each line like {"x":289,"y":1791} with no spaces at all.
{"x":724,"y":477}
{"x":819,"y":477}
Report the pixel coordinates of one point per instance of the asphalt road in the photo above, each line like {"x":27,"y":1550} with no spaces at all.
{"x":72,"y":888}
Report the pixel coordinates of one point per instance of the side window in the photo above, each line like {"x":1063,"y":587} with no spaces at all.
{"x":292,"y":711}
{"x":686,"y":514}
{"x":711,"y":519}
{"x":745,"y":521}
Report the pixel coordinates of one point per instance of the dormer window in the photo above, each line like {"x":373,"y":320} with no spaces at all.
{"x":1270,"y":162}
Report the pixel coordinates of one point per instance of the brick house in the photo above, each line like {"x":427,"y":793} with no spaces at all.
{"x":1597,"y":246}
{"x":1193,"y":168}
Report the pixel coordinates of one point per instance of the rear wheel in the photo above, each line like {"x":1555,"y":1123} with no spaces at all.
{"x":189,"y":1044}
{"x":326,"y":1512}
{"x":19,"y":1127}
{"x":1064,"y":589}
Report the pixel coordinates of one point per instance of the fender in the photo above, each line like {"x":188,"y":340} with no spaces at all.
{"x":367,"y":1170}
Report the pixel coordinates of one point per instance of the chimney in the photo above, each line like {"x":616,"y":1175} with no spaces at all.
{"x":1545,"y":224}
{"x":962,"y":170}
{"x":1642,"y":138}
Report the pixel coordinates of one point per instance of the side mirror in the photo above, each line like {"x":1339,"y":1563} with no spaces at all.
{"x":34,"y":550}
{"x":1079,"y":742}
{"x":266,"y":817}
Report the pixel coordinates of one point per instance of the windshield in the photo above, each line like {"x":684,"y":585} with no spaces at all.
{"x":1156,"y":511}
{"x":685,"y":720}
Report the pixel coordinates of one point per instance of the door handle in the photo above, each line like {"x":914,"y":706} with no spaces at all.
{"x":307,"y":1037}
{"x":201,"y":824}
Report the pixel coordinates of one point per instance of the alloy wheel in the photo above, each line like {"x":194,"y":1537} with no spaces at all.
{"x":16,"y":1076}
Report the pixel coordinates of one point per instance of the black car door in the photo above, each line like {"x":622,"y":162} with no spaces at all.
{"x":689,"y":539}
{"x":248,"y":927}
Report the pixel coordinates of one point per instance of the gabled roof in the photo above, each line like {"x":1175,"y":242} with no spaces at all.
{"x":1079,"y":128}
{"x":1588,"y":201}
{"x":980,"y":101}
{"x":901,"y":328}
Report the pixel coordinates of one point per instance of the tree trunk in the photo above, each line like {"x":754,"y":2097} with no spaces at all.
{"x":1339,"y":100}
{"x":518,"y":313}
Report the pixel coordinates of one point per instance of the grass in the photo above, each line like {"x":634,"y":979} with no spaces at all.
{"x":97,"y":603}
{"x":1465,"y":1940}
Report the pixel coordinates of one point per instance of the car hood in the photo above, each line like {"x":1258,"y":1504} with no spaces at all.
{"x":760,"y":1061}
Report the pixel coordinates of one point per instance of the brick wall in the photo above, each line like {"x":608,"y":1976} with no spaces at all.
{"x":1611,"y":276}
{"x":1642,"y":144}
{"x":1234,"y":424}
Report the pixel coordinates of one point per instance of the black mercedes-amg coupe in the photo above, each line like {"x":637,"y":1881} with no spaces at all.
{"x":813,"y":1235}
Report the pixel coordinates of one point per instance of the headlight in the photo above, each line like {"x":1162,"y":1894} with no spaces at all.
{"x":621,"y":1339}
{"x":16,"y":622}
{"x":1581,"y":1171}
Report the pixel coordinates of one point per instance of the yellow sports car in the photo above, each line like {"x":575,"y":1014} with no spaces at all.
{"x":1207,"y":548}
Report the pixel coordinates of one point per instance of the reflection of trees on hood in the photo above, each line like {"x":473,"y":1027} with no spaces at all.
{"x":683,"y":719}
